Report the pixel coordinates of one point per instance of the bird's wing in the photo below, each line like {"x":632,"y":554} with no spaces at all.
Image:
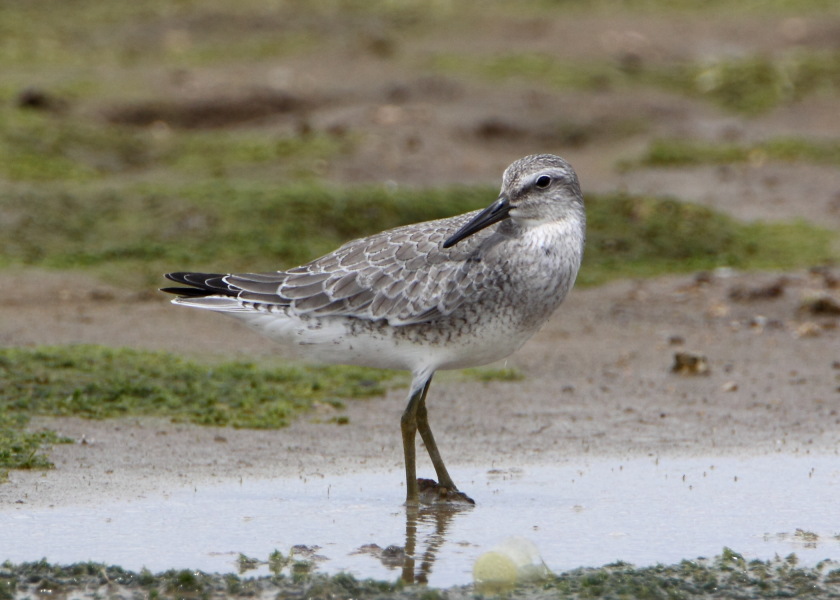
{"x":402,"y":275}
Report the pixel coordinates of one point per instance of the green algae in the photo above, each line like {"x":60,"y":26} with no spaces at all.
{"x":728,"y":575}
{"x":682,"y":152}
{"x":749,"y":85}
{"x":96,"y":382}
{"x":133,"y":236}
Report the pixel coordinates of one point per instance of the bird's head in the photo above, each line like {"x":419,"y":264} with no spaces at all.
{"x":541,"y":188}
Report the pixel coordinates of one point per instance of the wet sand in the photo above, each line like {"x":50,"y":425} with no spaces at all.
{"x":597,"y":383}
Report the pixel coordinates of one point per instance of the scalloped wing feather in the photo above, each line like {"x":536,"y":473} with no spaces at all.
{"x":401,"y":275}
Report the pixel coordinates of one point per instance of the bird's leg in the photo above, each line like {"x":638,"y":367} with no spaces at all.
{"x":415,"y":419}
{"x":408,"y":424}
{"x":431,"y":447}
{"x":445,"y":491}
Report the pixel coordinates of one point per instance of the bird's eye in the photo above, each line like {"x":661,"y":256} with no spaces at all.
{"x":543,"y":182}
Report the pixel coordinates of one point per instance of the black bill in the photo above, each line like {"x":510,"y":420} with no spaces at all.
{"x":492,"y":214}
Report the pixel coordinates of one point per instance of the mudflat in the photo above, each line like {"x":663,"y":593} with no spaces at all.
{"x":599,"y":378}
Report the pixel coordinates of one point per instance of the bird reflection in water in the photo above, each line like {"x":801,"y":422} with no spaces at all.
{"x":425,"y":532}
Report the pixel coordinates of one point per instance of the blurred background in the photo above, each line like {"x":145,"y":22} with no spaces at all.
{"x":145,"y":136}
{"x":151,"y":136}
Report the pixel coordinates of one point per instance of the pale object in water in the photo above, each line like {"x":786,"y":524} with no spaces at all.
{"x":516,"y":560}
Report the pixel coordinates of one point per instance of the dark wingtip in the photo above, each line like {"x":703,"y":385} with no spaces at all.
{"x":188,"y":278}
{"x":185,"y":292}
{"x":201,"y":284}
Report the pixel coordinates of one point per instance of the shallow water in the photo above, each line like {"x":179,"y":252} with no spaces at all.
{"x":641,"y":511}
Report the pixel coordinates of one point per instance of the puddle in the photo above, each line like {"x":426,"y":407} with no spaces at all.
{"x":640,"y":511}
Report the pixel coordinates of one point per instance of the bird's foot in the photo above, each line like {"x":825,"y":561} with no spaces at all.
{"x":431,"y":492}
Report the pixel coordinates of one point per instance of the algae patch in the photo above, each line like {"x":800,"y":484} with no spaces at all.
{"x":680,"y":152}
{"x":634,"y":236}
{"x":97,"y":382}
{"x":749,"y":85}
{"x":728,"y":575}
{"x":132,"y":236}
{"x":20,"y":449}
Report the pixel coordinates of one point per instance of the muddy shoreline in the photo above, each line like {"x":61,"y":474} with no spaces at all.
{"x":598,"y":381}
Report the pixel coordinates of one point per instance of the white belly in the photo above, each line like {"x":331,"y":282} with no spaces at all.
{"x":341,"y":340}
